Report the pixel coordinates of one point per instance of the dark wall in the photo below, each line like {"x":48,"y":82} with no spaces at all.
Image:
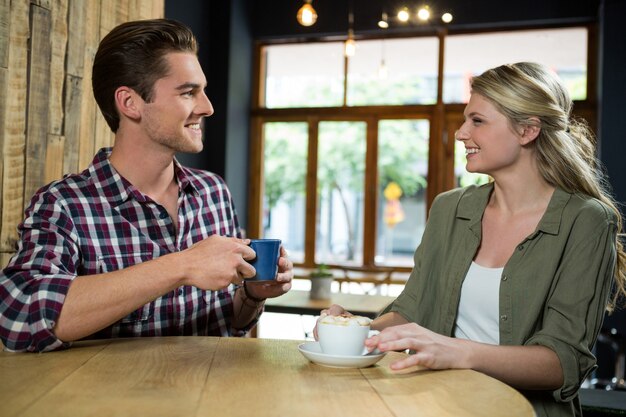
{"x":612,"y":134}
{"x":222,"y":30}
{"x":209,"y":22}
{"x":238,"y":106}
{"x":612,"y":100}
{"x":279,"y":20}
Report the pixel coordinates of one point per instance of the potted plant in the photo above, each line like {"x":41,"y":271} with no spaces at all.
{"x":321,"y":280}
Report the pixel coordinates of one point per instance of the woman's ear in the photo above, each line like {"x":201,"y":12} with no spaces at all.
{"x":530,"y":131}
{"x":128,"y":102}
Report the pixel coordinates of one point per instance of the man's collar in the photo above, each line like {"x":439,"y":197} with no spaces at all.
{"x":117,"y":189}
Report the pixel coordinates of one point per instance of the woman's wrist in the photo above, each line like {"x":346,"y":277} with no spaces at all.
{"x":467,"y":353}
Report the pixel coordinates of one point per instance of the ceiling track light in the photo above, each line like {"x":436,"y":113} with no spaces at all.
{"x":423,"y":15}
{"x":383,"y":23}
{"x":404,"y":15}
{"x":307,"y":16}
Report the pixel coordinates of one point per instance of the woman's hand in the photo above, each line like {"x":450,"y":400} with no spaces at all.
{"x":432,"y":350}
{"x":334,"y":310}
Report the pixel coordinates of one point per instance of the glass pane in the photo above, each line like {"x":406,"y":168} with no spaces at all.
{"x":340,"y":176}
{"x":304,"y":75}
{"x":402,"y":182}
{"x":464,"y":178}
{"x":394,"y":72}
{"x":563,"y":50}
{"x":284,"y":187}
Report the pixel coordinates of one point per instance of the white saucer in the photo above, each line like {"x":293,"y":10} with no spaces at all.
{"x":313,"y":352}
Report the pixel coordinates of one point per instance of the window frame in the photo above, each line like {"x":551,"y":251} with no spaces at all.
{"x":443,"y":118}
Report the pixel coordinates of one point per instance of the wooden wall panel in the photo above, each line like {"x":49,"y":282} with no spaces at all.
{"x":4,"y":72}
{"x":13,"y":136}
{"x":54,"y":158}
{"x":4,"y":33}
{"x":88,"y":109}
{"x":37,"y":113}
{"x":122,"y":12}
{"x":4,"y":259}
{"x":74,"y":70}
{"x":58,"y":44}
{"x":108,"y":11}
{"x":46,"y":4}
{"x":140,"y":9}
{"x":158,"y":6}
{"x":49,"y":122}
{"x":103,"y":135}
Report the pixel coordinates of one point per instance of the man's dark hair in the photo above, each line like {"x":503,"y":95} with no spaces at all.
{"x":133,"y":55}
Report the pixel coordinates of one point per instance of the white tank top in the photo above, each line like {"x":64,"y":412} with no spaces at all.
{"x":478,"y":314}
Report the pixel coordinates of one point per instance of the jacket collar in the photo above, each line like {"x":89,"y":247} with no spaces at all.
{"x":474,"y":201}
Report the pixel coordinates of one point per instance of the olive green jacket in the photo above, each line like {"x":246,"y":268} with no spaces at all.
{"x":553,"y":290}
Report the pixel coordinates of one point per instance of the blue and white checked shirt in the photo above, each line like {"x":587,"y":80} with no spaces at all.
{"x":97,"y":222}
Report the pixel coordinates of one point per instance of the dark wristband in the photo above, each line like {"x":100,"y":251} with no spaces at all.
{"x":250,"y":297}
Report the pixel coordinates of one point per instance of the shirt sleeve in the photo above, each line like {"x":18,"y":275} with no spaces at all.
{"x":575,"y":307}
{"x":34,"y":283}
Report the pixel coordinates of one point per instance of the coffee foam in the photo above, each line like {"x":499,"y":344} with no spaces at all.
{"x":345,"y":320}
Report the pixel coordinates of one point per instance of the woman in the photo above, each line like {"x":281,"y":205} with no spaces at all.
{"x":512,"y":278}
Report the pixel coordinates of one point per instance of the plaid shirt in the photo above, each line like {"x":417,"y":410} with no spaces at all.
{"x":97,"y":222}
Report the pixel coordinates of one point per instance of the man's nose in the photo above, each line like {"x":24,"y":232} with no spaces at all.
{"x":204,"y":106}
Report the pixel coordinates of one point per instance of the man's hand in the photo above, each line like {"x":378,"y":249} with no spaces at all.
{"x":276,"y":287}
{"x":216,"y":262}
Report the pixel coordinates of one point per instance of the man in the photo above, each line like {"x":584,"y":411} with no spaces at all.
{"x":136,"y":245}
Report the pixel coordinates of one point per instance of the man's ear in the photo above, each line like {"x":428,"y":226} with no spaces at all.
{"x":530,"y":131}
{"x":128,"y":102}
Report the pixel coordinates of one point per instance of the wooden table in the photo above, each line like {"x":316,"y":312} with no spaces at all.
{"x":208,"y":376}
{"x":298,"y":302}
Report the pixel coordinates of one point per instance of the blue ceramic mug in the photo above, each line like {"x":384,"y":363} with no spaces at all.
{"x":266,"y":261}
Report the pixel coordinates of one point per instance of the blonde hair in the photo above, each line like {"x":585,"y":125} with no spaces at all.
{"x":565,"y":147}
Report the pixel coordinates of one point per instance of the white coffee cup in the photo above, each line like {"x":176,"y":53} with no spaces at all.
{"x":343,"y":335}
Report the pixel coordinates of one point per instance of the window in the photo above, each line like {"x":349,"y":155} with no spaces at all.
{"x":348,"y":154}
{"x":387,"y":72}
{"x":309,"y":75}
{"x":469,"y":55}
{"x":284,"y":174}
{"x":340,"y":187}
{"x":402,"y":183}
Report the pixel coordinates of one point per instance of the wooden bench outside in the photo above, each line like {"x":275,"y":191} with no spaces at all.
{"x":371,"y":280}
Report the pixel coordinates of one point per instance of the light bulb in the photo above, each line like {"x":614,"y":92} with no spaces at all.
{"x":382,"y":23}
{"x":446,"y":17}
{"x":403,"y":15}
{"x":350,"y":47}
{"x":307,"y":15}
{"x":423,"y":14}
